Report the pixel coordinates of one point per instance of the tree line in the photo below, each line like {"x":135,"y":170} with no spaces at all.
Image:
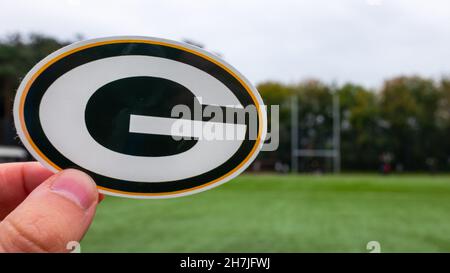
{"x":405,"y":122}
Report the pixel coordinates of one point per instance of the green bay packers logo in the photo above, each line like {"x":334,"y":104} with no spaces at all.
{"x":145,"y":117}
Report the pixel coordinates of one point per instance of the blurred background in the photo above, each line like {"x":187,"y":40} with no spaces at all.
{"x":364,"y":93}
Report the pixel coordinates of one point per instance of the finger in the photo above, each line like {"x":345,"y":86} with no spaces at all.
{"x":17,"y":180}
{"x":58,"y":211}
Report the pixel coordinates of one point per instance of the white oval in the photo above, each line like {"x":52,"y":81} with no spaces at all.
{"x":69,"y":95}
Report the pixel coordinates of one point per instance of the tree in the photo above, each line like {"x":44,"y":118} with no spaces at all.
{"x":409,"y":107}
{"x":274,"y":93}
{"x":17,"y":56}
{"x":361,"y":140}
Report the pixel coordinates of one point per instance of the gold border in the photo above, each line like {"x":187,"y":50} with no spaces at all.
{"x":46,"y":65}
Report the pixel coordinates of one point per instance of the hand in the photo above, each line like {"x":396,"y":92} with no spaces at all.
{"x":41,"y":211}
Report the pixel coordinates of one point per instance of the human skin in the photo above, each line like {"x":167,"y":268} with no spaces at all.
{"x":41,"y":211}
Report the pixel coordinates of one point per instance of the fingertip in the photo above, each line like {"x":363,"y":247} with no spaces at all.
{"x":77,"y":186}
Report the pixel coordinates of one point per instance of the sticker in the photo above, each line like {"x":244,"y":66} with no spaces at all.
{"x":145,"y":117}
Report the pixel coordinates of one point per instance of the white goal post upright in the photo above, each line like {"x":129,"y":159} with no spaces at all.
{"x":334,"y":153}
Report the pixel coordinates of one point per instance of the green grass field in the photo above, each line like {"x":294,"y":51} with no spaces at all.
{"x":267,"y":213}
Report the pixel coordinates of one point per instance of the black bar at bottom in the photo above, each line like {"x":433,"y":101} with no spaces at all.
{"x":223,"y":262}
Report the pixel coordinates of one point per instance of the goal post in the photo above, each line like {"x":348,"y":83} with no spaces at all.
{"x":334,"y":153}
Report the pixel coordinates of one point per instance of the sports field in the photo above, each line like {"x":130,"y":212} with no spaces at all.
{"x":267,"y":213}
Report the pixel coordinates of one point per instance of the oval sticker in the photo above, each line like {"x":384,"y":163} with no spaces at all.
{"x":145,"y":117}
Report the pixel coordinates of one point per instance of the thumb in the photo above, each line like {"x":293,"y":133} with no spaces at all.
{"x":58,"y":211}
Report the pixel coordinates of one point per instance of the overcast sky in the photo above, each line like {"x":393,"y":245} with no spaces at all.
{"x":362,"y":41}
